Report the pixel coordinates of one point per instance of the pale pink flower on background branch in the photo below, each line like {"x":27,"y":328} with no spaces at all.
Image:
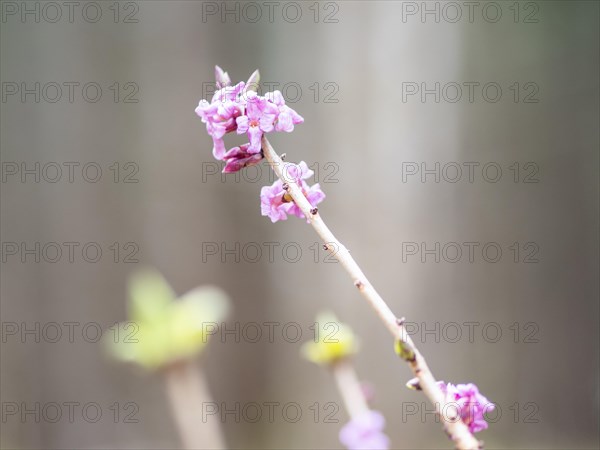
{"x":365,"y":431}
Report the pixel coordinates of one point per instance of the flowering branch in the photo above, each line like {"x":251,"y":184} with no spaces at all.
{"x":170,"y":332}
{"x":239,"y":108}
{"x":365,"y":428}
{"x":457,"y":431}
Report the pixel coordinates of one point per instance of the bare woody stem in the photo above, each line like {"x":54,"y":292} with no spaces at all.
{"x":454,"y":426}
{"x":187,"y":390}
{"x":349,"y":387}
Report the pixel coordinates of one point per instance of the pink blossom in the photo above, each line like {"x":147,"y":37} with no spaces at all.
{"x":220,"y":115}
{"x":239,"y":108}
{"x":471,"y":404}
{"x":365,"y":431}
{"x":287,"y":117}
{"x":258,"y":119}
{"x":276,"y":203}
{"x":238,"y":157}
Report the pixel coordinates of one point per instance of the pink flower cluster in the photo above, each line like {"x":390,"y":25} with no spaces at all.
{"x":276,"y":203}
{"x":471,"y":404}
{"x":365,"y":431}
{"x":239,"y":108}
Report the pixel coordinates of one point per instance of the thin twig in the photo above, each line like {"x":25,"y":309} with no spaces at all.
{"x":454,"y":426}
{"x":188,"y":394}
{"x":349,"y":387}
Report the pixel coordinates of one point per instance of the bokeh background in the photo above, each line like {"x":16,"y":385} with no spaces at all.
{"x":363,"y":132}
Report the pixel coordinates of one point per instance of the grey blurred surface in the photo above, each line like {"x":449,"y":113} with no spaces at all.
{"x":546,"y":386}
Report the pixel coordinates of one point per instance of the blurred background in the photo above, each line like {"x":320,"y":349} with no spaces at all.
{"x":396,"y":96}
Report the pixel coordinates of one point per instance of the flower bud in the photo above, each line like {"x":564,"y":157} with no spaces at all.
{"x":253,"y":81}
{"x":238,"y":157}
{"x":404,"y":351}
{"x":222,"y":78}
